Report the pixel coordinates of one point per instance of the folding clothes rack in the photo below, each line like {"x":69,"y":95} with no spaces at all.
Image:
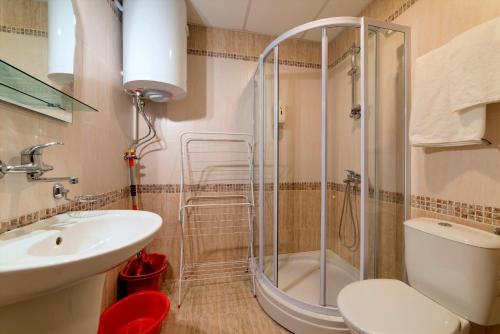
{"x":216,"y":207}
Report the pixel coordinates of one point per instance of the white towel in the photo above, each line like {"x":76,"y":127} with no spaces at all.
{"x":475,"y":66}
{"x":432,"y":121}
{"x":452,"y":86}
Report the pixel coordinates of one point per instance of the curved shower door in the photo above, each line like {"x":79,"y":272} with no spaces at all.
{"x":332,"y":149}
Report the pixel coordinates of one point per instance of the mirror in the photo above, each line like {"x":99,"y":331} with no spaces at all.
{"x":37,"y":51}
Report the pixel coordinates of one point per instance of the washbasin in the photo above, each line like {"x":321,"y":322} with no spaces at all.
{"x":68,"y":250}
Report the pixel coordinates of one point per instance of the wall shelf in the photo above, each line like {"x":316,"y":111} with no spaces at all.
{"x":24,"y":90}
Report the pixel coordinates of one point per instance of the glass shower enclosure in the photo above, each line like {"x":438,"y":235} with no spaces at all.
{"x":331,"y":160}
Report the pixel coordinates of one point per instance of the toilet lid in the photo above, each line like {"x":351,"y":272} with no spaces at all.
{"x":385,"y":306}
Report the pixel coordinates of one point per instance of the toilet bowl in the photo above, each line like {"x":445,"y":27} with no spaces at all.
{"x":389,"y":306}
{"x":453,"y":274}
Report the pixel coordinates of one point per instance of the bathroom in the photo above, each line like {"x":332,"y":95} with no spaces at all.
{"x":289,"y":161}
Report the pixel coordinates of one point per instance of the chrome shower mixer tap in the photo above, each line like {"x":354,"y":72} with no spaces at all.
{"x":352,"y":177}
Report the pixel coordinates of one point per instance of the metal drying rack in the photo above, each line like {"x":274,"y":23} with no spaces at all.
{"x":216,"y":201}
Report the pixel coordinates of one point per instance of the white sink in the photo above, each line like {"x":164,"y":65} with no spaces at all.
{"x":59,"y":262}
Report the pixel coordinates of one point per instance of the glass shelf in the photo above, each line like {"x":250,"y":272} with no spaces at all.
{"x":20,"y":88}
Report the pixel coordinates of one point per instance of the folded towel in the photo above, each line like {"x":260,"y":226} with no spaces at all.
{"x":475,"y":71}
{"x":432,"y":121}
{"x":452,"y":86}
{"x":442,"y":132}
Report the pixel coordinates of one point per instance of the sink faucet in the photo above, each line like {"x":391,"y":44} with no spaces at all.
{"x":33,"y":165}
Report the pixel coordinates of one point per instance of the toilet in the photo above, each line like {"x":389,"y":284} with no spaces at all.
{"x":454,"y":279}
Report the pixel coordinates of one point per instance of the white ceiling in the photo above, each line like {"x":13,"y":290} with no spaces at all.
{"x":270,"y":17}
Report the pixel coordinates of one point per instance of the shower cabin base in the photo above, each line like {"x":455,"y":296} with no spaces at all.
{"x":298,"y":277}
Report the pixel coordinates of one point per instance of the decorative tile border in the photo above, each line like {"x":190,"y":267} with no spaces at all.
{"x":97,"y":202}
{"x":391,"y":197}
{"x":176,"y":188}
{"x":222,"y":187}
{"x":296,"y":186}
{"x":299,"y":64}
{"x":23,"y":31}
{"x":294,"y":63}
{"x":235,"y":56}
{"x":216,"y":54}
{"x":158,"y":188}
{"x":385,"y":196}
{"x":473,"y":212}
{"x":404,"y":7}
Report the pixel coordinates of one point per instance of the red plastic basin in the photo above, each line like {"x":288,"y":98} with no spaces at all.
{"x":139,"y":313}
{"x":146,"y":275}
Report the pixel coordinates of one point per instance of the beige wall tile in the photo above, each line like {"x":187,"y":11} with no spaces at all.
{"x":24,"y":13}
{"x":98,"y":139}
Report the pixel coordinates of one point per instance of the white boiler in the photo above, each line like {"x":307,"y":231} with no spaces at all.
{"x":61,"y":41}
{"x":154,"y":48}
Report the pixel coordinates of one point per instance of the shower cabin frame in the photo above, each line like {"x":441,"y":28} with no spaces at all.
{"x":365,"y":25}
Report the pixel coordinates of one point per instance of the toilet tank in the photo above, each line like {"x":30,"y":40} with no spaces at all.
{"x":456,"y":266}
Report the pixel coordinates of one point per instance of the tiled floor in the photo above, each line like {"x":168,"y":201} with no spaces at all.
{"x":226,"y":308}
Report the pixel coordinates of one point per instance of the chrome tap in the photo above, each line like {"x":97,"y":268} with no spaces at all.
{"x":34,"y":167}
{"x":352,"y":177}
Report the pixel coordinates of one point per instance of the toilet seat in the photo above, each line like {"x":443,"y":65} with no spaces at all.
{"x":385,"y":306}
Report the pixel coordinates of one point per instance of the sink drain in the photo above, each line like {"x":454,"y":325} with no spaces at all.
{"x":58,"y":240}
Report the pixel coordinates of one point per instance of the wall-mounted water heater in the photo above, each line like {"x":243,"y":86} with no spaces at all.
{"x":61,"y":41}
{"x":155,"y":48}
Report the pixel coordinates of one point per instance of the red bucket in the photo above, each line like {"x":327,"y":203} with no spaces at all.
{"x":144,"y":273}
{"x":139,"y":313}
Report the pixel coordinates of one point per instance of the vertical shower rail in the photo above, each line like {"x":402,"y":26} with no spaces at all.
{"x":216,"y":200}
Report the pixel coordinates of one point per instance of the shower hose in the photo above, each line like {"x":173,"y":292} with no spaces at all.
{"x":347,"y":207}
